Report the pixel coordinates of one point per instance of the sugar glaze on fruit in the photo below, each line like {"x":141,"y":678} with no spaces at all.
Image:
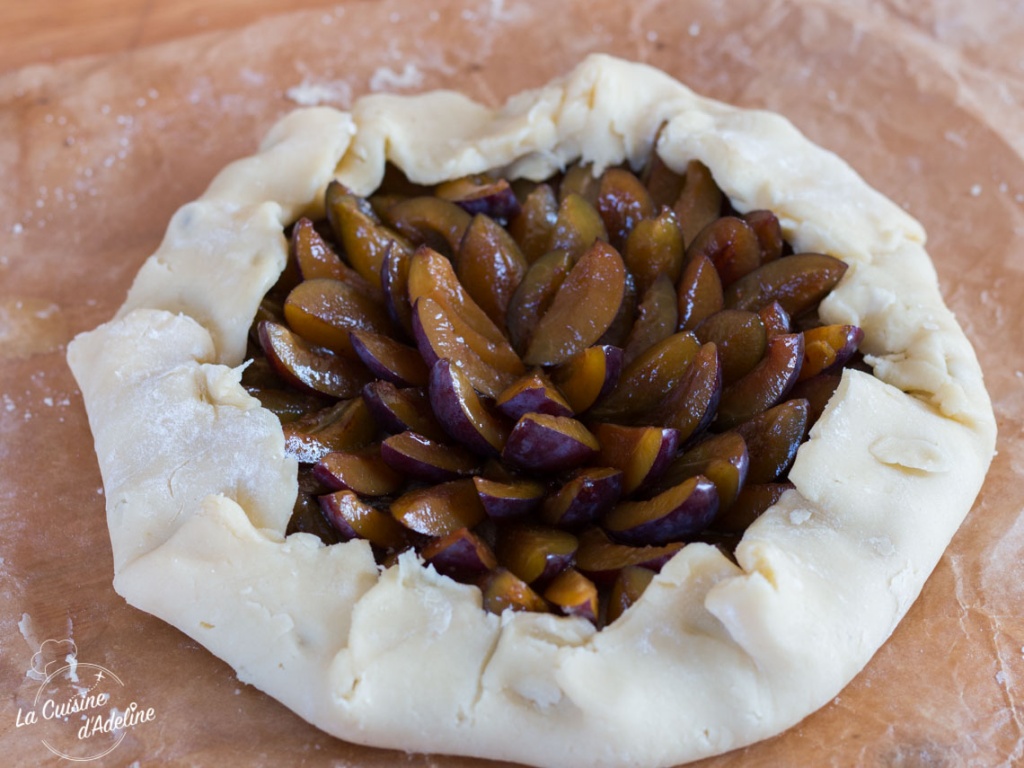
{"x":546,"y":389}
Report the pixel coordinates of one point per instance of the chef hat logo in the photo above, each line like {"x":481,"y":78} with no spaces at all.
{"x":51,"y":656}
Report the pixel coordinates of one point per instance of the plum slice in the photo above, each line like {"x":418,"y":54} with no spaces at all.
{"x":642,"y":453}
{"x":413,"y":455}
{"x":672,"y":515}
{"x":663,"y":184}
{"x":798,"y":282}
{"x":629,"y":586}
{"x":817,"y":391}
{"x":768,"y":231}
{"x":361,"y":470}
{"x":622,"y":202}
{"x":764,"y":386}
{"x":535,"y":553}
{"x":573,"y":594}
{"x":437,"y":339}
{"x":325,"y":312}
{"x":438,"y":510}
{"x":461,"y":555}
{"x":646,"y":381}
{"x":601,"y":559}
{"x":828,"y":347}
{"x":287,"y":404}
{"x":532,"y":393}
{"x":534,"y":294}
{"x":390,"y":360}
{"x":308,"y":368}
{"x":579,"y":179}
{"x":577,"y":226}
{"x":490,"y":267}
{"x":512,"y":500}
{"x":431,"y":275}
{"x":588,"y":376}
{"x":461,"y":412}
{"x":394,"y":279}
{"x":773,"y":438}
{"x":699,"y":202}
{"x":400,"y":410}
{"x":364,"y":239}
{"x":690,"y":407}
{"x":750,"y":504}
{"x":699,"y":293}
{"x":502,"y":590}
{"x":481,"y":194}
{"x":656,"y":318}
{"x":431,"y":221}
{"x":740,"y":338}
{"x":342,"y":427}
{"x":583,"y":308}
{"x":544,"y":443}
{"x":654,"y":249}
{"x":315,"y":258}
{"x":532,"y":228}
{"x":354,"y":518}
{"x":731,"y":245}
{"x":618,"y":332}
{"x":724,"y":459}
{"x":307,"y":514}
{"x":775,"y":319}
{"x":585,"y":497}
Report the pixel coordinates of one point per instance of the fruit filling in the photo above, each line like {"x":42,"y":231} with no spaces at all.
{"x":545,"y":389}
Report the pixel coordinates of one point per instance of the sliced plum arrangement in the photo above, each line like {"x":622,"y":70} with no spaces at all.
{"x":546,"y":389}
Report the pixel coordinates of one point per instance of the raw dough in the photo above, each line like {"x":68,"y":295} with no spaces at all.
{"x":714,"y":656}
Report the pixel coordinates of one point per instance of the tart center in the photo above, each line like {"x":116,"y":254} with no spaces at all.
{"x":546,"y":389}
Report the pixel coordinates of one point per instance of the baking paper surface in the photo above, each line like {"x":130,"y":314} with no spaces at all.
{"x":925,"y":100}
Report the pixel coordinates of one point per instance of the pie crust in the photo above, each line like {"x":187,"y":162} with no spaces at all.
{"x":714,"y":656}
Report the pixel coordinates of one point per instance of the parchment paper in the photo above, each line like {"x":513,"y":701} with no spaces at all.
{"x":925,"y":100}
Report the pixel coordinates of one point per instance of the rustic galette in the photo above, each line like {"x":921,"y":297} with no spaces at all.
{"x":614,"y":427}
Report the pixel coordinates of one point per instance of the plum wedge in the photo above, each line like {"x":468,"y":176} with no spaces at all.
{"x":462,"y":413}
{"x":439,"y":510}
{"x":341,"y":427}
{"x":354,"y":518}
{"x":363,"y":471}
{"x":533,"y":393}
{"x":512,"y":500}
{"x":766,"y":384}
{"x":325,"y":311}
{"x":437,"y":339}
{"x":547,"y":444}
{"x":602,"y":559}
{"x":481,"y":194}
{"x":588,"y":376}
{"x":389,"y":360}
{"x":673,"y":515}
{"x":461,"y":554}
{"x":573,"y":594}
{"x":415,"y":456}
{"x":641,"y":453}
{"x":585,"y":497}
{"x":797,"y":282}
{"x":405,"y":409}
{"x":307,"y":367}
{"x":536,"y":554}
{"x":583,"y":307}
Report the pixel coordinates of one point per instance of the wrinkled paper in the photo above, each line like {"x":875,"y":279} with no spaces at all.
{"x":925,"y":100}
